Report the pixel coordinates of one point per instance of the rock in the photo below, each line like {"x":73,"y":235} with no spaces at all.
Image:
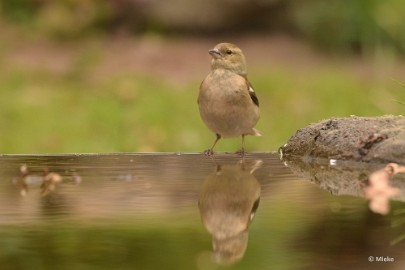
{"x":368,"y":139}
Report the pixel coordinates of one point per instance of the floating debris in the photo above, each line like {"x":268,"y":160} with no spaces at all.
{"x":50,"y":182}
{"x":47,"y":181}
{"x":76,"y":178}
{"x":380,"y":191}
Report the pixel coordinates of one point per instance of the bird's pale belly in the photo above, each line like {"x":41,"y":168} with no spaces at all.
{"x":231,"y":122}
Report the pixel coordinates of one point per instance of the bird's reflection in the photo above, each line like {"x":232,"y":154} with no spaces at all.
{"x":228,"y":200}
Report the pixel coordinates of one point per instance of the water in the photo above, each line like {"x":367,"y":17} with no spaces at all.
{"x":187,"y":211}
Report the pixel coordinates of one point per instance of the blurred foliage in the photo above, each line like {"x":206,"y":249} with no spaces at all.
{"x":341,"y":25}
{"x":360,"y":25}
{"x":71,"y":111}
{"x":42,"y":112}
{"x":58,"y":19}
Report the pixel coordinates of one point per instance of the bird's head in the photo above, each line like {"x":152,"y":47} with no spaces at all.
{"x":228,"y":56}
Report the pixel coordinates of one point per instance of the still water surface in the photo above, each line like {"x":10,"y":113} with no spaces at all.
{"x":187,"y":211}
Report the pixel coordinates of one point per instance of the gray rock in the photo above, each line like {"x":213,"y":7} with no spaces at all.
{"x":369,"y":139}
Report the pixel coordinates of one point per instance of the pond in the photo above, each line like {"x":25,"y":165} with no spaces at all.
{"x":188,"y":211}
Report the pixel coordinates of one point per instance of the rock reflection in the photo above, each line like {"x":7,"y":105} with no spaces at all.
{"x":378,"y":185}
{"x":228,"y":200}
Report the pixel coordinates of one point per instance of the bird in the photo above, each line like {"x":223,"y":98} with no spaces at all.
{"x":227,"y":103}
{"x":228,"y":200}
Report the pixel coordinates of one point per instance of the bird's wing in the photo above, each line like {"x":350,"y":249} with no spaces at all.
{"x":252,"y":94}
{"x":198,"y":99}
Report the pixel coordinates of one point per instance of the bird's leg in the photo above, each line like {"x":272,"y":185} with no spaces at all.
{"x":242,"y":150}
{"x":210,"y":151}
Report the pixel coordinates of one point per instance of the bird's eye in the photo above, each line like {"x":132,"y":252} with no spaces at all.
{"x":228,"y":52}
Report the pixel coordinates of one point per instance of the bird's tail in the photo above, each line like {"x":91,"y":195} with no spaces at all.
{"x":255,"y":132}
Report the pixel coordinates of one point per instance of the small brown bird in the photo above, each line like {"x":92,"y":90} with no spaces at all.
{"x":228,"y":200}
{"x":228,"y":104}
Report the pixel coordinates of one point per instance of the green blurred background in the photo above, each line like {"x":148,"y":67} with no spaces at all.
{"x":123,"y":75}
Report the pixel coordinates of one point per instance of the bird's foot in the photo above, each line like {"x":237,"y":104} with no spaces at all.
{"x":241,"y":152}
{"x":209,"y":152}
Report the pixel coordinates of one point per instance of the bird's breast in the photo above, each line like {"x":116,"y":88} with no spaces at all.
{"x":223,"y":87}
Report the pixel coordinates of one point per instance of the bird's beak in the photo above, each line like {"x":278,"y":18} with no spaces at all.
{"x":215,"y":53}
